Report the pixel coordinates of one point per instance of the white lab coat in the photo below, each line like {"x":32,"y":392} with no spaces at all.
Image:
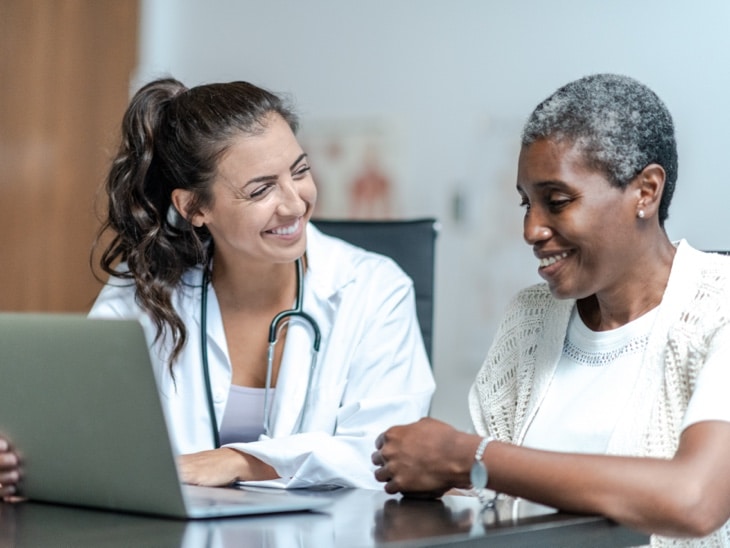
{"x":372,"y":370}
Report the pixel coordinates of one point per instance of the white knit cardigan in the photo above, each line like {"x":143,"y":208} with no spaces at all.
{"x":521,"y":362}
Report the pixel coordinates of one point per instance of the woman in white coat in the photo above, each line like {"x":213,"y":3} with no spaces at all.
{"x":210,"y":194}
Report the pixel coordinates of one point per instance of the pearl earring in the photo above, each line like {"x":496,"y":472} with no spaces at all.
{"x":640,"y":214}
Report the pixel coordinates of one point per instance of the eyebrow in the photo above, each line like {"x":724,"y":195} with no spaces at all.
{"x":544,"y":184}
{"x":296,"y":162}
{"x":266,"y":178}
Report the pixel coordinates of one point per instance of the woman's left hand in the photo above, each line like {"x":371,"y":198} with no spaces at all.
{"x":9,"y":470}
{"x":222,"y":466}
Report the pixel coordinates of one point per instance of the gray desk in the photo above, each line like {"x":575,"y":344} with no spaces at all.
{"x":356,"y":518}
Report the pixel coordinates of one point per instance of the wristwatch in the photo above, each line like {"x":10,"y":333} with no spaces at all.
{"x":479,"y":475}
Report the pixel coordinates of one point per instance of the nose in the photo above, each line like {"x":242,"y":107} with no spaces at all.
{"x":535,"y":229}
{"x":292,"y":203}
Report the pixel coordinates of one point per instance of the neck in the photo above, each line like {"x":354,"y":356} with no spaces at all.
{"x":640,"y":290}
{"x":254,"y":286}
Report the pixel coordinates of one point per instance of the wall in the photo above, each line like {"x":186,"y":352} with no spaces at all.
{"x":64,"y":75}
{"x":459,"y":78}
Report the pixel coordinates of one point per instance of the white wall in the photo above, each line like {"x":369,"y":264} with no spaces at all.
{"x":461,"y":76}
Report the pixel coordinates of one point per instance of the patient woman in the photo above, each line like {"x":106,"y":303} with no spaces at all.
{"x":605,"y":388}
{"x":209,"y":201}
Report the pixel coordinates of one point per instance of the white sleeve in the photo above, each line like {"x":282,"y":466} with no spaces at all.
{"x":709,"y":400}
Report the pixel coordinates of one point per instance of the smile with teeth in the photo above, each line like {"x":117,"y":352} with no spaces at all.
{"x":547,"y":261}
{"x":286,"y":230}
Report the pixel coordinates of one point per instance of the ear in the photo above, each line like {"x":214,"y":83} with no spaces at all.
{"x":181,"y":200}
{"x":649,"y":187}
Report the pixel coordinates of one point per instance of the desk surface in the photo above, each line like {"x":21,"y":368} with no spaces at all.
{"x":356,"y":518}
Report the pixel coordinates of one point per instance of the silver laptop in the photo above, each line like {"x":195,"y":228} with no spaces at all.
{"x":78,"y":400}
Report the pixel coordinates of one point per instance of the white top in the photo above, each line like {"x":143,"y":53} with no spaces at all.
{"x":372,"y":370}
{"x":589,"y":385}
{"x":243,"y":419}
{"x":709,"y":400}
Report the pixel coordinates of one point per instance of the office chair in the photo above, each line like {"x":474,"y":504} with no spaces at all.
{"x":410,"y":243}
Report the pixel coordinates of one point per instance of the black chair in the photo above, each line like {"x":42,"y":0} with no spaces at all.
{"x":410,"y":243}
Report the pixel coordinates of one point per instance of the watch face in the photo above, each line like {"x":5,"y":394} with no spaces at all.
{"x":478,"y":475}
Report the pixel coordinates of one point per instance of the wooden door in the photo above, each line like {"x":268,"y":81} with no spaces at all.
{"x":65,"y":68}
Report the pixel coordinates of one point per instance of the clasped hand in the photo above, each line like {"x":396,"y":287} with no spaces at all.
{"x":423,"y":459}
{"x":9,"y":470}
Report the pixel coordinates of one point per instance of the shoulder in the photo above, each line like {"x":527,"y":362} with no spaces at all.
{"x":534,"y":295}
{"x":531,"y":302}
{"x":714,"y":268}
{"x":684,"y":248}
{"x":696,"y":305}
{"x":705,"y":275}
{"x":533,"y":315}
{"x":706,"y":262}
{"x":118,"y":297}
{"x":335,"y":263}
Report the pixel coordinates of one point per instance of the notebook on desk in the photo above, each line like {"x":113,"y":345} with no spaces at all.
{"x":78,"y":400}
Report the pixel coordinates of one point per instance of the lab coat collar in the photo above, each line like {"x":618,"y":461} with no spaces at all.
{"x":328,"y":272}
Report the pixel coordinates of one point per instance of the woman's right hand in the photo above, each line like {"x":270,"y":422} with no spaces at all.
{"x":9,"y":470}
{"x":424,"y":459}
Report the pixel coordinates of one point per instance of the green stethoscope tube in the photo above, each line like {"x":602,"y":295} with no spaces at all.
{"x":274,"y":328}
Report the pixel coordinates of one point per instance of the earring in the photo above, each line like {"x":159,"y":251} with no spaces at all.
{"x":640,"y":214}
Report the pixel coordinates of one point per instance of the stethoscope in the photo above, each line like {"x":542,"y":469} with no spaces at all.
{"x":277,"y":324}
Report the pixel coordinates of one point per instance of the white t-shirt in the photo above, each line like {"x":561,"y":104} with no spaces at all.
{"x":710,"y":398}
{"x":594,"y":378}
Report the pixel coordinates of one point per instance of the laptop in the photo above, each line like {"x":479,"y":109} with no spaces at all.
{"x":79,"y":402}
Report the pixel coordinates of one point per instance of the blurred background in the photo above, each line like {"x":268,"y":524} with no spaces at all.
{"x":409,"y":108}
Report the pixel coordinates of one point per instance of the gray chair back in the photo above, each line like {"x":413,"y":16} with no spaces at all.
{"x":410,"y":243}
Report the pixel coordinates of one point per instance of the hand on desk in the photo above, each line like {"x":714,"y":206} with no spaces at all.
{"x":424,"y":459}
{"x":222,"y":466}
{"x":9,"y":470}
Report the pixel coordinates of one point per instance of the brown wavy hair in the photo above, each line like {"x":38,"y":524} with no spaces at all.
{"x":172,"y":137}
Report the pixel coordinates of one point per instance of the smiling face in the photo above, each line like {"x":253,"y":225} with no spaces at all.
{"x":263,"y":197}
{"x":580,"y":226}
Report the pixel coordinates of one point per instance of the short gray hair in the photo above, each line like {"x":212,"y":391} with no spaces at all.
{"x":619,"y":125}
